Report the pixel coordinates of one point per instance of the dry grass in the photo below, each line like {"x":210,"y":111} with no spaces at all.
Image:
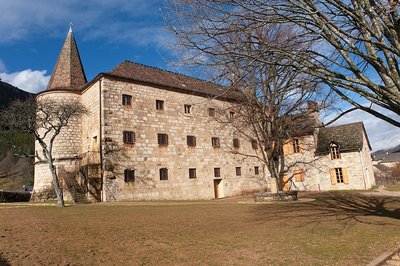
{"x":337,"y":228}
{"x":395,"y":187}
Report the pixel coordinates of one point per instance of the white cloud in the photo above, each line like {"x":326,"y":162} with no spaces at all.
{"x":28,"y":80}
{"x":381,"y":134}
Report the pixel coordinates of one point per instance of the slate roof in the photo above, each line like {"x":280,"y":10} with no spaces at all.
{"x":349,"y":137}
{"x":68,"y":73}
{"x":171,"y":80}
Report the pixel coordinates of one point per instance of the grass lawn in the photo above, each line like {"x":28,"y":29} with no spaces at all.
{"x":336,"y":228}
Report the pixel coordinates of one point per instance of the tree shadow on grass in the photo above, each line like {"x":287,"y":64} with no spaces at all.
{"x":345,"y":207}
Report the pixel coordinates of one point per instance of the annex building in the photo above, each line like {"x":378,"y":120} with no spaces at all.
{"x":152,"y":134}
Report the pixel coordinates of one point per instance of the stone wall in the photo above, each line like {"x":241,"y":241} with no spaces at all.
{"x":146,"y":157}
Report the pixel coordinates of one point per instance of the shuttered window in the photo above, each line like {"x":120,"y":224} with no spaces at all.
{"x":339,"y":175}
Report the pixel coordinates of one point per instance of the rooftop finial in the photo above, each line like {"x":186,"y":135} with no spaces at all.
{"x":70,"y":27}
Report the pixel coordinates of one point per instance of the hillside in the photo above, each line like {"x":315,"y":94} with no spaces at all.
{"x":8,"y":93}
{"x":15,"y":172}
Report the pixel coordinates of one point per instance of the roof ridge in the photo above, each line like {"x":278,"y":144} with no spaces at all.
{"x":173,"y":72}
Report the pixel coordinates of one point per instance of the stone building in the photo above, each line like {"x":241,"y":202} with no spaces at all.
{"x":152,"y":134}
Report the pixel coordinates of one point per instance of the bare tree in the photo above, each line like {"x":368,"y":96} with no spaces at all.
{"x":355,"y":45}
{"x":44,"y":119}
{"x":236,"y":53}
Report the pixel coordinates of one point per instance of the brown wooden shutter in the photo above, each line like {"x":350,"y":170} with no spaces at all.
{"x":345,"y":176}
{"x":301,"y":145}
{"x":332,"y":173}
{"x":299,"y":175}
{"x":288,"y":147}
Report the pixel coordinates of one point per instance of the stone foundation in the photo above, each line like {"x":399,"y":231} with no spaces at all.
{"x":281,"y":195}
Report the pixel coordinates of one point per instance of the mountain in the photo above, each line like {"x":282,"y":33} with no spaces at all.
{"x":15,"y":172}
{"x":387,"y":151}
{"x":9,"y":93}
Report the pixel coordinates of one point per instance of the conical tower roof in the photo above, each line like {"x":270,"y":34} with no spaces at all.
{"x":68,"y":73}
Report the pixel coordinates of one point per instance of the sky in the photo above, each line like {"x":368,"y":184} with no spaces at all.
{"x":107,"y":32}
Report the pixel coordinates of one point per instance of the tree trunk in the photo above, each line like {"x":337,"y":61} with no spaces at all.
{"x":56,"y":184}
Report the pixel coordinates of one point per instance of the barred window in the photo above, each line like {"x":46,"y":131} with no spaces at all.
{"x":191,"y":141}
{"x":187,"y":108}
{"x":126,"y":99}
{"x":236,"y":143}
{"x":215,"y":142}
{"x":129,"y":175}
{"x":256,"y":170}
{"x":162,"y":139}
{"x":296,"y":145}
{"x":211,"y":112}
{"x":129,"y":137}
{"x":163,"y":174}
{"x":238,"y":171}
{"x":159,"y":105}
{"x":192,"y":173}
{"x":217,"y":172}
{"x":231,"y":114}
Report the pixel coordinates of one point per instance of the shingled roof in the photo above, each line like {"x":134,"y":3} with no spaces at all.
{"x":68,"y":72}
{"x":349,"y":137}
{"x":171,"y":80}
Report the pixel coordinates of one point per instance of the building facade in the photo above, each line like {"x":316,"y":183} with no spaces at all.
{"x":151,"y":134}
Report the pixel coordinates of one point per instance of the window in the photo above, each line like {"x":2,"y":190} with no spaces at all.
{"x":188,"y":108}
{"x":236,"y":143}
{"x":296,"y":145}
{"x":215,"y":142}
{"x":254,"y":144}
{"x":256,"y":170}
{"x":192,"y":172}
{"x":159,"y":105}
{"x":129,"y":137}
{"x":129,"y":175}
{"x":298,"y":175}
{"x":334,"y":151}
{"x":217,"y":172}
{"x":231,"y":114}
{"x":191,"y":141}
{"x":162,"y":139}
{"x":238,"y":171}
{"x":211,"y":112}
{"x":339,"y":175}
{"x":126,"y":99}
{"x":163,"y":174}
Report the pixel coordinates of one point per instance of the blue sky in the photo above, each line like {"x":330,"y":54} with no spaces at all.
{"x":107,"y":32}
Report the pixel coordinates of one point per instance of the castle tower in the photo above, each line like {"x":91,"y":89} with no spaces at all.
{"x":65,"y":85}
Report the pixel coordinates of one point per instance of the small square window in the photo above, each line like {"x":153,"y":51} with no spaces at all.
{"x":129,"y":137}
{"x":215,"y":142}
{"x":191,"y":141}
{"x":236,"y":143}
{"x":159,"y":105}
{"x":238,"y":171}
{"x":192,"y":173}
{"x":126,"y":99}
{"x":129,"y":175}
{"x":163,"y":174}
{"x":254,"y":144}
{"x":217,"y":172}
{"x":162,"y":139}
{"x":188,"y":109}
{"x":256,"y":170}
{"x":211,"y":112}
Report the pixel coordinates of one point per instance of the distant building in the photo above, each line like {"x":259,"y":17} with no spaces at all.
{"x":152,"y":134}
